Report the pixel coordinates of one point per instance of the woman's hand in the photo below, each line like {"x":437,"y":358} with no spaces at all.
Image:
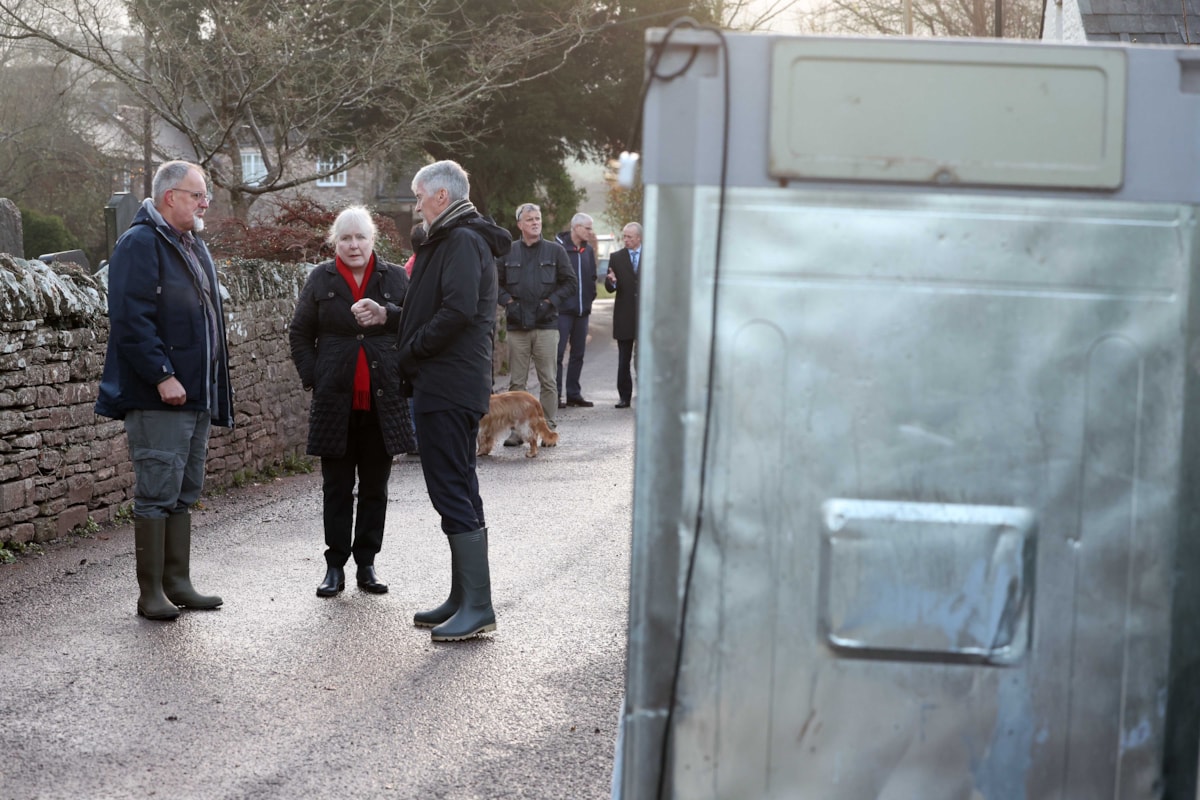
{"x":367,"y":313}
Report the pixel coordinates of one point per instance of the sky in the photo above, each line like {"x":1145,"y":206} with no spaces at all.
{"x":786,"y":21}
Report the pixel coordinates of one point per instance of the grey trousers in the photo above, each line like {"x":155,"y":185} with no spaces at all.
{"x":168,"y":449}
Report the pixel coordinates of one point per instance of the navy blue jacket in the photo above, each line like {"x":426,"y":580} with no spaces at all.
{"x":583,"y":261}
{"x":158,"y":327}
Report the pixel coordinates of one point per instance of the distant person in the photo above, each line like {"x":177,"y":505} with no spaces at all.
{"x":342,"y":338}
{"x":166,"y":373}
{"x":580,"y":243}
{"x":536,"y":280}
{"x":446,"y":364}
{"x":417,"y":237}
{"x":622,"y":278}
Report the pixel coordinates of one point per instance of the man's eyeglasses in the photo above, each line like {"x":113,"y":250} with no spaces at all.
{"x":197,"y":196}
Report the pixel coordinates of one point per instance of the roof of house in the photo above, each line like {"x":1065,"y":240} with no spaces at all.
{"x":1141,"y":21}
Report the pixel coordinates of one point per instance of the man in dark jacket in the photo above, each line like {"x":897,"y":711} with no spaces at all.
{"x":166,"y":373}
{"x":536,"y":280}
{"x":573,"y":317}
{"x":445,"y":347}
{"x":622,"y":278}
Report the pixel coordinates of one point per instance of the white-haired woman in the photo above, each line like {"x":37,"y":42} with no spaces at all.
{"x":343,"y":338}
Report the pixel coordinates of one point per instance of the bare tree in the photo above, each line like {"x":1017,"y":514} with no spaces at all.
{"x":1022,"y":18}
{"x":49,"y":161}
{"x":313,"y":88}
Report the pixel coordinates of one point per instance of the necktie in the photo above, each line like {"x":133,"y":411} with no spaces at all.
{"x":636,"y":253}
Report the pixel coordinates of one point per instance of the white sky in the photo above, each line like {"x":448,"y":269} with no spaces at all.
{"x":786,"y":20}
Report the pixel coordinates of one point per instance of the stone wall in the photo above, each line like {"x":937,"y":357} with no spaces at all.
{"x":60,"y":464}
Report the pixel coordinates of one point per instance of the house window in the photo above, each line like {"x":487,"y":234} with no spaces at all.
{"x":326,"y":164}
{"x":253,"y":168}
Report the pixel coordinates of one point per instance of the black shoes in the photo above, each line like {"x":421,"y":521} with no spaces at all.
{"x":335,"y":581}
{"x":579,"y":402}
{"x":367,"y":580}
{"x":562,"y":403}
{"x":623,"y":404}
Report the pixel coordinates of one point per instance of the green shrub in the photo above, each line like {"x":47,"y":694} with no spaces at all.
{"x":45,"y":233}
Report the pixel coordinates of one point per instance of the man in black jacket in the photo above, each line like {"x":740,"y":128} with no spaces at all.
{"x":536,"y":280}
{"x":445,"y":344}
{"x":579,"y":242}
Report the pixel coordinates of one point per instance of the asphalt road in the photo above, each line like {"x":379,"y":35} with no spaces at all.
{"x":281,"y":694}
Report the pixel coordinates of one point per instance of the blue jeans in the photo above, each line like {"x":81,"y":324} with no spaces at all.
{"x":168,"y":449}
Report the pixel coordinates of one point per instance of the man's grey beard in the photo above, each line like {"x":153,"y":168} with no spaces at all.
{"x":197,"y":224}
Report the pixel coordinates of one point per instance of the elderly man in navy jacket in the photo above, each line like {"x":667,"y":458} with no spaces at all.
{"x":166,"y":374}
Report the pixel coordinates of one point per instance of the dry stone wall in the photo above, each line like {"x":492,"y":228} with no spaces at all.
{"x":60,"y":463}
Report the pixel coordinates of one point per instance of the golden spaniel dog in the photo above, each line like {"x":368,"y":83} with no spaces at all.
{"x":516,"y":411}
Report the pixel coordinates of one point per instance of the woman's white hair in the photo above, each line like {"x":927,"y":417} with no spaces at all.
{"x":353,"y":218}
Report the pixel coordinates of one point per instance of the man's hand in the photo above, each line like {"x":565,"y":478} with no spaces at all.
{"x":172,"y":392}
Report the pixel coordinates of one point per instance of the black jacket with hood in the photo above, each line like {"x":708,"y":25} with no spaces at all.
{"x":445,"y":335}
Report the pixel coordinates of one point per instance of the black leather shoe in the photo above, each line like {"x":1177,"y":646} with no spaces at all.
{"x":335,"y":581}
{"x":623,"y":404}
{"x":562,"y":403}
{"x":367,"y":580}
{"x":579,"y":402}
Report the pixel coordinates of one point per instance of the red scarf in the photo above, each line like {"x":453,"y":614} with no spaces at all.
{"x":362,"y":375}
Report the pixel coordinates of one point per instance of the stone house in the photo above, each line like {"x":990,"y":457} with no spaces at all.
{"x":377,"y":185}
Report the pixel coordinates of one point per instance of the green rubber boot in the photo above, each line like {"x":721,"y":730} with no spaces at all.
{"x":149,"y":536}
{"x":177,"y":581}
{"x":436,"y":616}
{"x":475,"y":614}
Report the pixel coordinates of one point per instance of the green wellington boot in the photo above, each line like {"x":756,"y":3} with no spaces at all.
{"x":436,"y":616}
{"x":475,"y":614}
{"x":148,"y":537}
{"x":177,"y":581}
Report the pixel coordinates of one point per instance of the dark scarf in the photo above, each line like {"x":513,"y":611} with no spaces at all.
{"x":452,"y":213}
{"x":362,"y":374}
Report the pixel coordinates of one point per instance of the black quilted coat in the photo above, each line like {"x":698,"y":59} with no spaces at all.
{"x":325,"y":338}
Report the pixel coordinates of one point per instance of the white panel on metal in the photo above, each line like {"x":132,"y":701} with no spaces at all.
{"x":947,"y":113}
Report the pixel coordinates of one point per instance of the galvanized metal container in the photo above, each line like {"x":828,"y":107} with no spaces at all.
{"x":915,"y":508}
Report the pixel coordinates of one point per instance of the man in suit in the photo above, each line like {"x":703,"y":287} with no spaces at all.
{"x":622,"y":278}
